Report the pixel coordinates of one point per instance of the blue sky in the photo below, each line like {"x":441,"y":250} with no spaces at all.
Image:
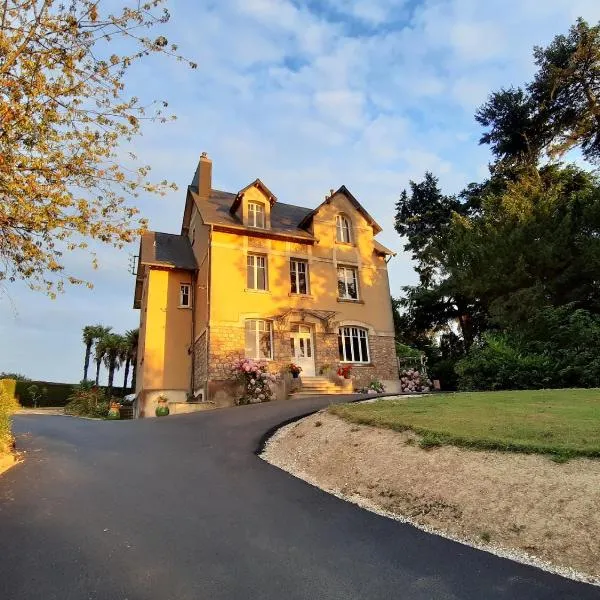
{"x":307,"y":95}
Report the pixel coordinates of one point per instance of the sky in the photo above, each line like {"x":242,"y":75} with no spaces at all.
{"x":307,"y":95}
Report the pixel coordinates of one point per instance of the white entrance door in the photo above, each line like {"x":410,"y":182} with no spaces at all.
{"x":303,"y":351}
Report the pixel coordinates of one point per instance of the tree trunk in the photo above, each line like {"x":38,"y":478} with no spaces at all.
{"x":111,"y":376}
{"x":98,"y":372}
{"x":126,"y":375}
{"x":86,"y":364}
{"x":133,"y":375}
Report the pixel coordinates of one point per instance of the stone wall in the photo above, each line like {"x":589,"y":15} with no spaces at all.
{"x":383,"y":366}
{"x":200,"y":359}
{"x":227,"y":345}
{"x":326,"y":351}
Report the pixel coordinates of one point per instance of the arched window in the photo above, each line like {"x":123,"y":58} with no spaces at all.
{"x":353,"y":343}
{"x":256,"y":215}
{"x":343,"y":229}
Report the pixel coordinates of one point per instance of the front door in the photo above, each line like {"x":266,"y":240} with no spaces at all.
{"x":303,"y":351}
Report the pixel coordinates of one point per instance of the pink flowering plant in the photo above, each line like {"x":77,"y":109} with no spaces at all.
{"x":412,"y":380}
{"x":256,"y":379}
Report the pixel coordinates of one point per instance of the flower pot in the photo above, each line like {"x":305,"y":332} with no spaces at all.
{"x":162,"y":410}
{"x":114,"y":412}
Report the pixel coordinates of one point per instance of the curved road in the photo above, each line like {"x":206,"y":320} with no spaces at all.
{"x":181,"y":508}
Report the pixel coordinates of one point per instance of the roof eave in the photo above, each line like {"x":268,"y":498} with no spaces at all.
{"x":263,"y":233}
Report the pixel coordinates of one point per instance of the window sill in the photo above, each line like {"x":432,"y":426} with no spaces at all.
{"x":350,"y":244}
{"x":253,"y":291}
{"x":351,"y":301}
{"x":357,"y":364}
{"x":184,"y":306}
{"x":257,"y":228}
{"x":303,"y":296}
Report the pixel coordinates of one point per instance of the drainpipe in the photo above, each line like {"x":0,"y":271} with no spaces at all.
{"x":192,"y":350}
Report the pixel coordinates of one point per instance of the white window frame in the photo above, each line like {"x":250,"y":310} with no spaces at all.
{"x":183,"y":294}
{"x":353,"y":332}
{"x":257,"y":333}
{"x":346,"y":270}
{"x":295,"y":276}
{"x":256,"y":259}
{"x":256,"y":210}
{"x":343,"y":230}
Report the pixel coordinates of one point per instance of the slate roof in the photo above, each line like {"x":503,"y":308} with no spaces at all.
{"x":285,"y":218}
{"x":359,"y":207}
{"x":167,"y":250}
{"x":382,"y":249}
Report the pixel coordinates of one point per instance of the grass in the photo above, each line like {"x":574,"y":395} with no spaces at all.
{"x":564,"y":423}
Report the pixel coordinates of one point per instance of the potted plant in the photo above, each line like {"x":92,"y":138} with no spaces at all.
{"x":345,"y":371}
{"x":114,"y":412}
{"x":295,"y":370}
{"x":162,"y":409}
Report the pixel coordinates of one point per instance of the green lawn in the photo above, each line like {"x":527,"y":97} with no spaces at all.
{"x":560,"y":422}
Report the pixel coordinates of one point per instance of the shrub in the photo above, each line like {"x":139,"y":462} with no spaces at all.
{"x":404,"y":351}
{"x":256,"y":379}
{"x":87,"y":402}
{"x":8,"y":405}
{"x":374,"y":386}
{"x":497,"y":364}
{"x":412,"y":380}
{"x":9,"y":385}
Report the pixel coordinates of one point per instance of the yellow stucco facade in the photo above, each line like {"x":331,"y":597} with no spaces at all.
{"x":248,"y":279}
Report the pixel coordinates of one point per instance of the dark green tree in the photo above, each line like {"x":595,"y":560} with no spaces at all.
{"x":557,"y":111}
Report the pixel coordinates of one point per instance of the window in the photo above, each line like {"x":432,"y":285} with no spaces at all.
{"x":256,"y":215}
{"x":257,"y":272}
{"x":184,"y":295}
{"x":259,"y":339}
{"x":353,"y":344}
{"x":347,"y":283}
{"x":298,"y":276}
{"x":343,"y":229}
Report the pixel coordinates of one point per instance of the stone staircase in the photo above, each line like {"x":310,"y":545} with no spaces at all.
{"x":318,"y":386}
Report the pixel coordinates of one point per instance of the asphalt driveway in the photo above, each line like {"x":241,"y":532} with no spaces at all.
{"x":181,"y":508}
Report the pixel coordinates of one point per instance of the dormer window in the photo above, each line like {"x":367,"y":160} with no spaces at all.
{"x":256,"y":215}
{"x":343,"y":230}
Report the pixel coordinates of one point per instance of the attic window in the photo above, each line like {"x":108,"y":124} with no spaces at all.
{"x":343,"y":230}
{"x":256,"y":215}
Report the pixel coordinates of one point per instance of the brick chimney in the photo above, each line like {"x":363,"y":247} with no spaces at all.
{"x":203,"y":176}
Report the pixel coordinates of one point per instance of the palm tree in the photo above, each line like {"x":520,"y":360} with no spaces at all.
{"x":129,"y":355}
{"x":91,"y":333}
{"x":100,"y":350}
{"x":112,"y":344}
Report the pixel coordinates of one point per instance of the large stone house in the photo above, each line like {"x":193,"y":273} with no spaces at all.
{"x":252,"y":276}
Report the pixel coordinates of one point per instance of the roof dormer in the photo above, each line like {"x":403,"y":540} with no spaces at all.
{"x":252,"y":205}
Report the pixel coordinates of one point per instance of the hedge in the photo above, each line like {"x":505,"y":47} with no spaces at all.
{"x":7,"y":406}
{"x":52,"y":393}
{"x":9,"y":386}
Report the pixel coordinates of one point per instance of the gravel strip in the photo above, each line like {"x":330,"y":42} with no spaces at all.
{"x":283,"y":450}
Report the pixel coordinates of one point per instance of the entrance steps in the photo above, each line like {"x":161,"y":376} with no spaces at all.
{"x":318,"y":386}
